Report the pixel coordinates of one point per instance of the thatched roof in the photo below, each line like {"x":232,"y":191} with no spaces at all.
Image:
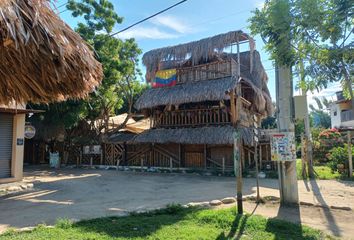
{"x":184,"y":93}
{"x":197,"y":50}
{"x":42,"y":58}
{"x":204,"y":135}
{"x":214,"y":90}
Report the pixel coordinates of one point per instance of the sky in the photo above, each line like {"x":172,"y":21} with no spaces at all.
{"x":190,"y":21}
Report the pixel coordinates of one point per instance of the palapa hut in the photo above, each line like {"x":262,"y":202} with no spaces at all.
{"x":42,"y":60}
{"x":201,"y":96}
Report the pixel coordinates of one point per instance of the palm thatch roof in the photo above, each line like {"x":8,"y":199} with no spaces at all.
{"x":214,"y":90}
{"x":42,"y":58}
{"x":196,"y":50}
{"x":205,"y":135}
{"x":211,"y":90}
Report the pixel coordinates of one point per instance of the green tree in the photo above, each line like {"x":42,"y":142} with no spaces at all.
{"x":118,"y":57}
{"x":321,"y":41}
{"x":119,"y":87}
{"x":311,"y":36}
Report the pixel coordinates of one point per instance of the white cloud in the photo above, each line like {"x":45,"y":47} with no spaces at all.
{"x":146,"y":32}
{"x":172,"y":23}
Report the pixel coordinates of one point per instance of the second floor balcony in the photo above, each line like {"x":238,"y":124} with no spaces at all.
{"x":191,"y":118}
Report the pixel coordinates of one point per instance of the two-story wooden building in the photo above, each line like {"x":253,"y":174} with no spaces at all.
{"x":193,"y":105}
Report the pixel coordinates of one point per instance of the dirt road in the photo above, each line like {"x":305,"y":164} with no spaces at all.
{"x":82,"y":194}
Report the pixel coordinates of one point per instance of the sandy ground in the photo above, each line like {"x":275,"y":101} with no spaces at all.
{"x":82,"y":194}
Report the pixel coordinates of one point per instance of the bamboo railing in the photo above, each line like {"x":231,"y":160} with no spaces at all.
{"x":191,"y":117}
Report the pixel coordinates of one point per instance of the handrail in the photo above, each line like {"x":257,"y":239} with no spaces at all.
{"x":192,"y":117}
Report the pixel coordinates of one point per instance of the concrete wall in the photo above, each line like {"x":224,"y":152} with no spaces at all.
{"x":335,"y":115}
{"x":17,"y":150}
{"x":337,"y":108}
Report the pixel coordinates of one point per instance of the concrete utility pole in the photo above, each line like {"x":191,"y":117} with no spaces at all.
{"x":287,"y":170}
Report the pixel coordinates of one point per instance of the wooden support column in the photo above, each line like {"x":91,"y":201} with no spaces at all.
{"x":205,"y":156}
{"x":179,"y":154}
{"x":260,"y":156}
{"x":125,"y":155}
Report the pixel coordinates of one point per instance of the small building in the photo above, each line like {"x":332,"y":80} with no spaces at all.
{"x":42,"y":60}
{"x":201,"y":98}
{"x":341,"y":112}
{"x":12,"y":122}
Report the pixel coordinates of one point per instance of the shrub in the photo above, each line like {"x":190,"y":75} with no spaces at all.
{"x":338,"y":155}
{"x":324,"y":141}
{"x":64,"y":223}
{"x":330,"y":137}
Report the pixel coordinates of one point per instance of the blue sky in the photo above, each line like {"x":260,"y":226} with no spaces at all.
{"x":193,"y":20}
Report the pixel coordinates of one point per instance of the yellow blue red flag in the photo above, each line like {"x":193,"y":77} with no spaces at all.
{"x":165,"y":78}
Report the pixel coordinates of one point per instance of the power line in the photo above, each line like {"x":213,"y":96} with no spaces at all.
{"x":162,"y":11}
{"x":62,"y":5}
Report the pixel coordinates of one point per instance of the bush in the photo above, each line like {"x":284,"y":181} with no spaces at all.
{"x":324,"y":140}
{"x":64,"y":223}
{"x":338,"y":155}
{"x":330,"y":137}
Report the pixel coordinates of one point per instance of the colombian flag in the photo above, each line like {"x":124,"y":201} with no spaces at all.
{"x":165,"y":78}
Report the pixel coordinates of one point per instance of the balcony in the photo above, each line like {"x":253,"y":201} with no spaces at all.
{"x":191,"y":118}
{"x":209,"y":71}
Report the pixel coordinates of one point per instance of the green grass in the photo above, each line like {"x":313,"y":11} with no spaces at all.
{"x":322,"y":172}
{"x":173,"y":222}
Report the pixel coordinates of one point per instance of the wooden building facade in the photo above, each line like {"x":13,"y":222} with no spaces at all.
{"x":201,"y":100}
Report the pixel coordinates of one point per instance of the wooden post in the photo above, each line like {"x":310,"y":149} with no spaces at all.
{"x":205,"y":156}
{"x":260,"y":156}
{"x":101,"y":159}
{"x":171,"y":164}
{"x":179,"y":154}
{"x":91,"y":161}
{"x":80,"y":155}
{"x":256,"y":161}
{"x":142,"y":163}
{"x":249,"y":158}
{"x":350,"y":157}
{"x":77,"y":161}
{"x":223,"y":165}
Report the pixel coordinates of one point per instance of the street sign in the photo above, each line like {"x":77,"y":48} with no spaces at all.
{"x":283,"y":146}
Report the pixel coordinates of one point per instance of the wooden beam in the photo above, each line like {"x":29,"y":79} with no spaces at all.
{"x":233,"y":108}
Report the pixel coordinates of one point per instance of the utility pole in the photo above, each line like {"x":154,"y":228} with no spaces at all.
{"x":287,"y":170}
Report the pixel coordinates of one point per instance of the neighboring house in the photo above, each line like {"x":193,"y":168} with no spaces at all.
{"x":341,"y":114}
{"x":193,"y":106}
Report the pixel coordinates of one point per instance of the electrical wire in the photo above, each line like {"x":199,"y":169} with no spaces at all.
{"x":145,"y":19}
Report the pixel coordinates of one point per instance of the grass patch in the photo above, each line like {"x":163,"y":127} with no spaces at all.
{"x":323,"y":172}
{"x":174,"y":222}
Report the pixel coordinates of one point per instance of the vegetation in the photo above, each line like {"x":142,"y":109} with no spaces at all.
{"x":338,"y":156}
{"x":174,"y":222}
{"x":314,"y":36}
{"x":119,"y":87}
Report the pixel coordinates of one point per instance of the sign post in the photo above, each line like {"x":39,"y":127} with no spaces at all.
{"x":256,"y":140}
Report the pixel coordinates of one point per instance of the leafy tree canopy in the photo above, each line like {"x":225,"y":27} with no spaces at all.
{"x":315,"y":36}
{"x":119,"y":58}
